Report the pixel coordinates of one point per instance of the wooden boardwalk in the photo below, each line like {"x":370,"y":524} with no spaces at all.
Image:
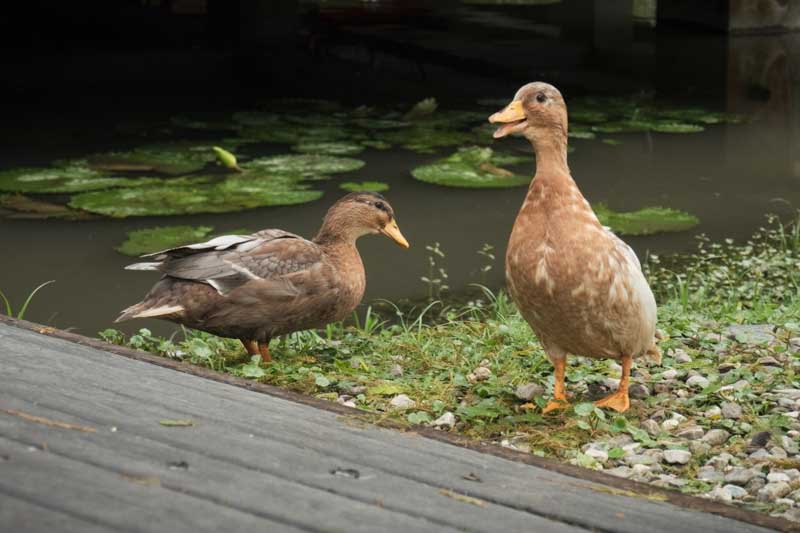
{"x":82,"y":448}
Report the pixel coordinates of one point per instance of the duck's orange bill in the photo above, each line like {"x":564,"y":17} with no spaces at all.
{"x":393,"y":232}
{"x":512,"y":113}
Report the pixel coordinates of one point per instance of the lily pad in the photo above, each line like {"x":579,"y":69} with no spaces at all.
{"x":472,"y":167}
{"x":74,"y":177}
{"x":149,"y":240}
{"x":27,"y":207}
{"x":329,"y":148}
{"x":646,"y":221}
{"x":168,"y":158}
{"x":371,"y":186}
{"x":306,"y":165}
{"x":236,"y":193}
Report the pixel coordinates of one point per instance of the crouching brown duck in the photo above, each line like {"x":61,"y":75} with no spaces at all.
{"x":257,"y":287}
{"x":579,"y":287}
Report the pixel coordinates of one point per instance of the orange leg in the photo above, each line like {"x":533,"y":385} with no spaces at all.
{"x":250,"y":346}
{"x":263,"y":348}
{"x":619,"y":400}
{"x":559,"y":400}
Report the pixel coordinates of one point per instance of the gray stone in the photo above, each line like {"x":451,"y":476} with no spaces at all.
{"x":739,"y":385}
{"x":759,"y":440}
{"x":690,"y":433}
{"x":707,"y":473}
{"x":620,"y":471}
{"x":651,"y":427}
{"x":751,"y":333}
{"x":726,"y":367}
{"x":772,"y":491}
{"x":638,"y":391}
{"x":669,"y":480}
{"x":715,"y":437}
{"x":681,"y":356}
{"x":780,"y":453}
{"x":768,"y":360}
{"x":670,"y":374}
{"x":720,"y":494}
{"x":669,"y":425}
{"x":396,"y":370}
{"x":735,"y":491}
{"x":447,"y":419}
{"x":699,"y":447}
{"x":598,"y":454}
{"x":755,"y":485}
{"x":790,"y":445}
{"x":760,"y":455}
{"x":731,"y":410}
{"x":720,"y":461}
{"x":775,"y":477}
{"x":480,"y":374}
{"x":713,"y":413}
{"x":697,"y":382}
{"x":527,"y":391}
{"x":680,"y":457}
{"x":402,"y":401}
{"x":346,"y":400}
{"x":639,"y":459}
{"x":740,"y":476}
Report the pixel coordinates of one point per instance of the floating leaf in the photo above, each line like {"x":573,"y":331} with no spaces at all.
{"x":423,"y":108}
{"x":29,"y":208}
{"x":371,"y":186}
{"x":307,"y":165}
{"x":73,"y":177}
{"x":329,"y":148}
{"x":645,"y":221}
{"x":472,"y":167}
{"x":149,"y":240}
{"x":168,"y":158}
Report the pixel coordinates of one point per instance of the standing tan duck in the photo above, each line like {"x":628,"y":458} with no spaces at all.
{"x":579,"y":287}
{"x":257,"y":287}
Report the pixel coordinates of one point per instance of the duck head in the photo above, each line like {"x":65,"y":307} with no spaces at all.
{"x":537,"y":111}
{"x":358,"y":214}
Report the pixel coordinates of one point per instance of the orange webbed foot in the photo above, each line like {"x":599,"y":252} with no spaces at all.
{"x":618,"y":401}
{"x":554,"y":405}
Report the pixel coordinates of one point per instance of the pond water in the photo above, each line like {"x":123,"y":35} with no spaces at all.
{"x":729,"y":175}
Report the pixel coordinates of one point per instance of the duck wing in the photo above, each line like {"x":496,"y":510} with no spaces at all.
{"x":230,"y":261}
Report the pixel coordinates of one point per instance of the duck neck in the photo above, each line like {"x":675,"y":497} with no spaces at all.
{"x":551,"y":154}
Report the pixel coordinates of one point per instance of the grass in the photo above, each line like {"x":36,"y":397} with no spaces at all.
{"x":469,"y":359}
{"x":9,"y":309}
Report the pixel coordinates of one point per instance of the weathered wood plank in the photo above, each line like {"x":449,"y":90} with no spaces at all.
{"x":134,"y":395}
{"x":130,"y":451}
{"x":21,"y":515}
{"x":112,"y":500}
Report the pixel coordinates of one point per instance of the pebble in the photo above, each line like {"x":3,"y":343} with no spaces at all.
{"x":751,"y":333}
{"x":793,"y":473}
{"x":726,"y":367}
{"x":720,"y":494}
{"x":669,"y":425}
{"x":772,"y":491}
{"x":755,"y":485}
{"x":670,"y":374}
{"x":396,"y":371}
{"x":708,"y":473}
{"x":790,"y":445}
{"x":666,"y":480}
{"x":651,"y":427}
{"x":774,"y":477}
{"x":611,"y":383}
{"x":785,"y":501}
{"x":690,"y":433}
{"x":661,"y":388}
{"x":778,"y":452}
{"x":598,"y":454}
{"x":735,"y":491}
{"x":760,"y":454}
{"x":680,"y":457}
{"x":527,"y":391}
{"x":740,"y":476}
{"x":768,"y":361}
{"x":715,"y":437}
{"x":345,"y":400}
{"x":640,"y":460}
{"x":713,"y":413}
{"x":739,"y":385}
{"x":620,"y":471}
{"x":731,"y":410}
{"x":720,"y":461}
{"x":402,"y":401}
{"x":681,"y":356}
{"x":447,"y":419}
{"x":638,"y":391}
{"x":697,"y":382}
{"x":640,"y":469}
{"x":698,"y":447}
{"x":759,"y":440}
{"x":481,"y":373}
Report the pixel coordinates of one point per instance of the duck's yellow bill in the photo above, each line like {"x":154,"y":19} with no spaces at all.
{"x":512,"y":113}
{"x":393,"y":232}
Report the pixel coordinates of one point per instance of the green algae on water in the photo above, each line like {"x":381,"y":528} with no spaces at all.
{"x":167,"y":158}
{"x":306,"y":165}
{"x":646,"y":221}
{"x":329,"y":148}
{"x":472,"y":167}
{"x":75,"y":176}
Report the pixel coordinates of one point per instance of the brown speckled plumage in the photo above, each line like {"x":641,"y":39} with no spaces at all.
{"x":579,"y":287}
{"x":270,"y":283}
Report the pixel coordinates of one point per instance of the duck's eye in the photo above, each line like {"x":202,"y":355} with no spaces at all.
{"x":380,"y":205}
{"x":541,"y":98}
